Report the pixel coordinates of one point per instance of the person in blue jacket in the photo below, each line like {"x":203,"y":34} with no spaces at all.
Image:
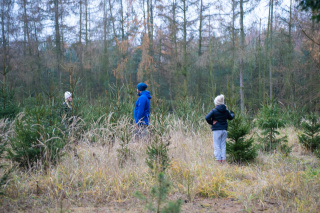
{"x":217,"y":118}
{"x":142,"y":107}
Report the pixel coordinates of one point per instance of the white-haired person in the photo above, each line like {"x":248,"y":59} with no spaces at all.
{"x":67,"y":104}
{"x":217,"y":118}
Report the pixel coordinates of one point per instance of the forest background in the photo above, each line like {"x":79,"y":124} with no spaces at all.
{"x":181,"y":49}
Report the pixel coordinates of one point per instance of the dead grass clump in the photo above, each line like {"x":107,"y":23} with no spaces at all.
{"x":212,"y":186}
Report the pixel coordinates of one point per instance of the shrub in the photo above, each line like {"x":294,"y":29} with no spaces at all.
{"x":158,"y":197}
{"x":240,"y":149}
{"x":310,"y":137}
{"x":158,"y":161}
{"x":124,"y":133}
{"x":269,"y":122}
{"x":38,"y":137}
{"x":157,"y":156}
{"x":157,"y":152}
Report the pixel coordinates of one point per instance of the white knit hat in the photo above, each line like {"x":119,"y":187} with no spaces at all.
{"x":67,"y":95}
{"x":219,"y":100}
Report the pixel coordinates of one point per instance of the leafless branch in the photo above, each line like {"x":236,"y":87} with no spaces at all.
{"x":309,"y":37}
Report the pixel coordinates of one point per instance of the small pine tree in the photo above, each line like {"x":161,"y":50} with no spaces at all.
{"x":240,"y":149}
{"x":310,"y":138}
{"x":158,"y":161}
{"x":158,"y":196}
{"x":35,"y":138}
{"x":124,"y":133}
{"x":157,"y":155}
{"x":269,"y":122}
{"x":157,"y":152}
{"x":172,"y":207}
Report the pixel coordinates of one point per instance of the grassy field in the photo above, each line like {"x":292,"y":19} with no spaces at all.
{"x":90,"y":177}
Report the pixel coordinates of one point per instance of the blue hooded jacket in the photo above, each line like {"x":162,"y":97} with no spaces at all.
{"x":142,"y":108}
{"x":219,"y":114}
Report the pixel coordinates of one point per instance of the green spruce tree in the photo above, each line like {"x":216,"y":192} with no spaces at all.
{"x":158,"y":161}
{"x":157,"y":155}
{"x":157,"y":200}
{"x":269,"y":122}
{"x":239,"y":148}
{"x":37,"y":137}
{"x":124,"y":134}
{"x":310,"y":137}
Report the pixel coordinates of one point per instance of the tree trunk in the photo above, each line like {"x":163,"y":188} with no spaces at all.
{"x":233,"y":44}
{"x":57,"y":35}
{"x":25,"y":27}
{"x":122,"y":21}
{"x":61,"y":28}
{"x":86,"y":14}
{"x":105,"y":49}
{"x":241,"y":57}
{"x":112,"y":20}
{"x":80,"y":24}
{"x":211,"y":74}
{"x":4,"y":49}
{"x":151,"y":27}
{"x":184,"y":72}
{"x":292,"y":80}
{"x":270,"y":56}
{"x":267,"y":53}
{"x":144,"y":17}
{"x":200,"y":29}
{"x":174,"y":51}
{"x":148,"y":18}
{"x":174,"y":6}
{"x":260,"y":64}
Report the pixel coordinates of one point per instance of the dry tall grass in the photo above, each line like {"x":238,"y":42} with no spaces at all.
{"x":90,"y":175}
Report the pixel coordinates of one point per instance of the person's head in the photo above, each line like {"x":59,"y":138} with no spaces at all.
{"x":68,"y":96}
{"x":219,"y":100}
{"x":141,"y":87}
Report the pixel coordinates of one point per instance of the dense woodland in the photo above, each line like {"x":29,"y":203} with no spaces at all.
{"x":181,"y":49}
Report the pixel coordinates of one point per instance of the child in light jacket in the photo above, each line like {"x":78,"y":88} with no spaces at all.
{"x":217,"y":118}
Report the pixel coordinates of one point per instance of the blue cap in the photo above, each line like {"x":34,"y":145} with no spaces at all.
{"x":142,"y":86}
